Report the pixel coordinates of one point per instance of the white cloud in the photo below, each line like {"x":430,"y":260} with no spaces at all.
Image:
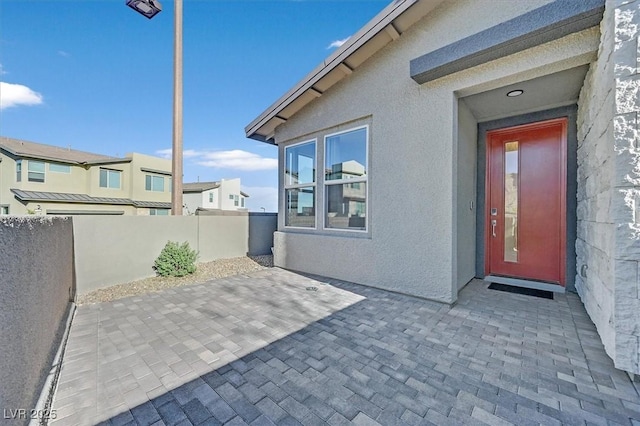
{"x":261,"y":196}
{"x":164,"y":153}
{"x":338,"y":43}
{"x":187,"y":153}
{"x":235,"y":159}
{"x":16,"y":94}
{"x":2,"y":71}
{"x":63,"y":53}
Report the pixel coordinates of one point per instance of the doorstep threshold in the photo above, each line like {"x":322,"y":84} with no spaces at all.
{"x":519,"y":282}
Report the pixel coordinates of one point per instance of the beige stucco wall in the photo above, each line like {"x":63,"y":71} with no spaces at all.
{"x":36,"y":277}
{"x":7,"y":178}
{"x":93,"y":181}
{"x":412,"y":246}
{"x":138,"y":177}
{"x":74,"y":182}
{"x":118,"y":249}
{"x":82,"y":180}
{"x":608,"y":244}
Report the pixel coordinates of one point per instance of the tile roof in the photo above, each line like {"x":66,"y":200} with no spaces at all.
{"x":22,"y":148}
{"x":199,"y":186}
{"x":152,"y":204}
{"x":61,"y":197}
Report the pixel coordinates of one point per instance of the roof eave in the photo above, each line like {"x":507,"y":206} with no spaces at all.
{"x":263,"y":129}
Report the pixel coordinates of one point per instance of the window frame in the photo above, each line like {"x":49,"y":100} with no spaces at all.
{"x":109,"y":170}
{"x":19,"y":170}
{"x":43,"y":172}
{"x":154,"y":212}
{"x":364,"y":180}
{"x":68,"y":168}
{"x":151,"y":177}
{"x":313,"y":184}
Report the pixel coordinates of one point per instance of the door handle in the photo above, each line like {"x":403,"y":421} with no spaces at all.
{"x":493,"y":227}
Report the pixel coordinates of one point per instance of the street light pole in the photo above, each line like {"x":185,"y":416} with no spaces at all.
{"x":149,"y":9}
{"x":176,"y":158}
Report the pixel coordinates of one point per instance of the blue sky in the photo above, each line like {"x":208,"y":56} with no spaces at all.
{"x":95,"y":75}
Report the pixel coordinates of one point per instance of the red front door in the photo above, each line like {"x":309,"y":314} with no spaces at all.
{"x":526,"y":201}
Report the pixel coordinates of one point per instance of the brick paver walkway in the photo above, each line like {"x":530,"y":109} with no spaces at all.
{"x":264,"y":349}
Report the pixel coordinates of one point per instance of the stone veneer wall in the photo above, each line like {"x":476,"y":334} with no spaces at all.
{"x":608,"y":243}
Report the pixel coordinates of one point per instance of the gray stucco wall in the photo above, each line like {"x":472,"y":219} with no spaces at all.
{"x":36,"y":278}
{"x":412,"y":243}
{"x":118,"y":249}
{"x":466,"y":208}
{"x":608,"y":244}
{"x":261,"y":229}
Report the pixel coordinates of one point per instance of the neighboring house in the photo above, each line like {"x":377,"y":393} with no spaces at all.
{"x":498,"y":139}
{"x":45,"y":179}
{"x":222,"y":195}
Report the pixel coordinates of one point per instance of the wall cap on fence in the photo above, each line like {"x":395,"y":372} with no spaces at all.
{"x":20,"y":221}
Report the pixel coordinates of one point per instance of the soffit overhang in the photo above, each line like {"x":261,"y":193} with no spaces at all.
{"x":544,"y":24}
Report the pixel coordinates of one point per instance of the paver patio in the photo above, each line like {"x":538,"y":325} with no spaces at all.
{"x":279,"y":347}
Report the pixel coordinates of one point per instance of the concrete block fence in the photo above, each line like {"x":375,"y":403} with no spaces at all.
{"x":46,"y":261}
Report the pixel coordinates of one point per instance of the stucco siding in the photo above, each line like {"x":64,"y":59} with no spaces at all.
{"x":118,"y":249}
{"x":36,"y":277}
{"x":465,"y":210}
{"x":192,"y":201}
{"x":413,"y":181}
{"x":7,"y":178}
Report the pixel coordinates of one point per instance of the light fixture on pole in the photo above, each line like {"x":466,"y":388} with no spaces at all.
{"x":149,"y":9}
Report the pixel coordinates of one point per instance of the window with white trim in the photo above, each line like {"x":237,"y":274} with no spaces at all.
{"x":211,"y":197}
{"x":300,"y":185}
{"x":345,"y":180}
{"x":110,"y":178}
{"x":154,"y":183}
{"x":18,"y":170}
{"x":35,"y":171}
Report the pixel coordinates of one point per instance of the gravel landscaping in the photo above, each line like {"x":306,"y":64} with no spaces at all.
{"x":206,"y":272}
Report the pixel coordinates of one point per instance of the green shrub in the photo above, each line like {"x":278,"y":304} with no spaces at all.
{"x":176,"y":260}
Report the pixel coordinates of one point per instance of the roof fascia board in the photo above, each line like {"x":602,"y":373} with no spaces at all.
{"x":8,"y":152}
{"x":356,"y":41}
{"x":542,"y":25}
{"x":22,"y":156}
{"x":113,"y":161}
{"x":27,"y":156}
{"x":85,"y":212}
